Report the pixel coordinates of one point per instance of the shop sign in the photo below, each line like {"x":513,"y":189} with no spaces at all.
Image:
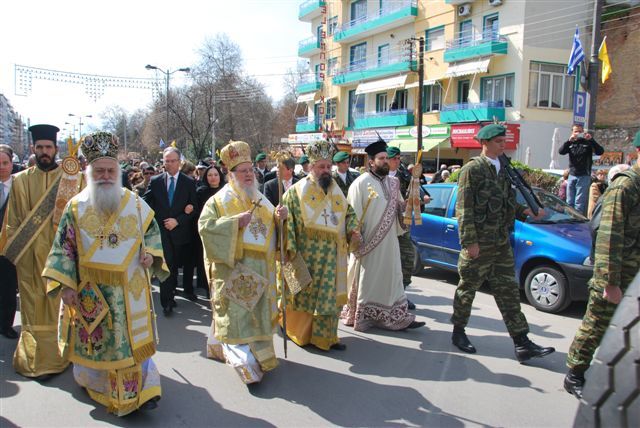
{"x":305,"y":138}
{"x":462,"y":136}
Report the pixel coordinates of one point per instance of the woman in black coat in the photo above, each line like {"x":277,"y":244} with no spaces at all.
{"x":208,"y":185}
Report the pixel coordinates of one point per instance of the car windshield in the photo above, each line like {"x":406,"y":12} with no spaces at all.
{"x":556,"y":210}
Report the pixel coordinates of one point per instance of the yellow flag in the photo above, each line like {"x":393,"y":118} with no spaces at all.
{"x":603,"y":55}
{"x":174,"y":144}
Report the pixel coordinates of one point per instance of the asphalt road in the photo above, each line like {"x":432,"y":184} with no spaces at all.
{"x":413,"y":378}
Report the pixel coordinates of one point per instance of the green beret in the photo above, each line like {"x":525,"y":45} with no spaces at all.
{"x":303,"y":159}
{"x":636,"y":141}
{"x":392,"y":152}
{"x":260,"y":156}
{"x":340,"y":157}
{"x":491,"y":131}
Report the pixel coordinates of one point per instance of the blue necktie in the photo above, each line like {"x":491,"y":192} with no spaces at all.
{"x":172,"y":189}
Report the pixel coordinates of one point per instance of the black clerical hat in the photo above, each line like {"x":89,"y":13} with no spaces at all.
{"x":374,"y":148}
{"x":44,"y":132}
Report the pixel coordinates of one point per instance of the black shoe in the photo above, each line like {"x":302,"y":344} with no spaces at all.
{"x":461,"y":341}
{"x":151,"y":404}
{"x":415,"y":324}
{"x":9,"y":333}
{"x":167,"y":311}
{"x":573,"y":384}
{"x":191,"y":297}
{"x":527,"y":350}
{"x":410,"y":305}
{"x":339,"y":346}
{"x":173,"y":304}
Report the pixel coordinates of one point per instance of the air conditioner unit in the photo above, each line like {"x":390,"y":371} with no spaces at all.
{"x":495,"y":2}
{"x":464,"y":9}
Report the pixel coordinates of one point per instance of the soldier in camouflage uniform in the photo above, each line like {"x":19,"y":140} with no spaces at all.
{"x":486,"y":209}
{"x":617,"y":260}
{"x":343,"y":176}
{"x":406,"y":247}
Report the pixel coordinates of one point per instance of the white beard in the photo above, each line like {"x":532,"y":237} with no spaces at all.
{"x":251,"y":190}
{"x":105,"y":196}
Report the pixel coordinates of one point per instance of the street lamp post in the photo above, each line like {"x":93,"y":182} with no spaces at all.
{"x":167,"y":73}
{"x":80,"y":123}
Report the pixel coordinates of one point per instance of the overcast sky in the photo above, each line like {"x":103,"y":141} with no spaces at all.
{"x":118,"y":38}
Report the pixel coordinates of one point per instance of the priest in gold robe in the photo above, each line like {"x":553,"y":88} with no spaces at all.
{"x":37,"y":195}
{"x":238,"y":231}
{"x":106,"y":241}
{"x":321,"y":224}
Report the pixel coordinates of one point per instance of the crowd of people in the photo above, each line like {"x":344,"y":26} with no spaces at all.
{"x":81,"y":241}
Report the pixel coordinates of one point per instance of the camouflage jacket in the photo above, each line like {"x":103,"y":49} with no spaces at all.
{"x":351,"y":177}
{"x":617,"y":254}
{"x":486,"y":206}
{"x":405,"y":179}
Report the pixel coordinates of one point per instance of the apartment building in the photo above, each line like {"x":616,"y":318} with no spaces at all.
{"x":484,"y":60}
{"x":12,"y":129}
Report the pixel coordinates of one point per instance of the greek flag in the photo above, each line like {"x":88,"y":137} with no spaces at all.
{"x":577,"y":53}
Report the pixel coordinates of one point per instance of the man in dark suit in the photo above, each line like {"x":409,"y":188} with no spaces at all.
{"x":288,"y":179}
{"x":172,"y":195}
{"x":9,"y":287}
{"x":343,"y":175}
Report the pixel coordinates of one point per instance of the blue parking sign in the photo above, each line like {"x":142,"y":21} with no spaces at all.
{"x":580,"y":105}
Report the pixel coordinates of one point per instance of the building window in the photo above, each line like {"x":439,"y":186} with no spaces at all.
{"x":332,"y":25}
{"x":498,"y":90}
{"x":332,"y":108}
{"x":431,"y":98}
{"x":381,"y":103}
{"x":358,"y":11}
{"x":383,"y":55}
{"x":490,"y":28}
{"x":465,"y":36}
{"x":358,"y":56}
{"x":550,"y":86}
{"x":434,"y":39}
{"x":356,"y":107}
{"x":332,"y":64}
{"x":400,"y":100}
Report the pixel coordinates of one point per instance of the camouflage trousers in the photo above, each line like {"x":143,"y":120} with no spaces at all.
{"x":496,"y":266}
{"x":594,"y":324}
{"x":406,"y":257}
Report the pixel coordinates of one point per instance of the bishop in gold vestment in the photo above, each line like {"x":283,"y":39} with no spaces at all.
{"x":238,"y":231}
{"x":106,"y":240}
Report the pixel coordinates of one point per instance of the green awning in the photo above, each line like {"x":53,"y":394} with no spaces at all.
{"x":410,"y":145}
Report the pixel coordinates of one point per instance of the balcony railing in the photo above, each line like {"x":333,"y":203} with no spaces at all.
{"x":399,"y":117}
{"x":465,"y":40}
{"x":372,"y":63}
{"x":473,"y":112}
{"x":310,"y":7}
{"x":306,"y":124}
{"x":309,"y":46}
{"x":472,"y":106}
{"x":388,"y":10}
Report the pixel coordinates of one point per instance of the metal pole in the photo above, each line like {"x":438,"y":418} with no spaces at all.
{"x":420,"y":89}
{"x":166,"y":125}
{"x":213,"y":129}
{"x":594,"y":64}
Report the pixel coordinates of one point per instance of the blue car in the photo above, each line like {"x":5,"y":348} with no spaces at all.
{"x":551,"y":255}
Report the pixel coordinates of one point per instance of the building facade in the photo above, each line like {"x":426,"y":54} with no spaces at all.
{"x":13,"y":130}
{"x":484,"y":60}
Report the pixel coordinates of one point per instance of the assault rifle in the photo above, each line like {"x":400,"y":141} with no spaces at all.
{"x":520,"y":184}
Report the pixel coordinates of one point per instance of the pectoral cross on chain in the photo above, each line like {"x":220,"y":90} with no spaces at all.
{"x":325,"y":216}
{"x":256,"y":204}
{"x":101,"y":236}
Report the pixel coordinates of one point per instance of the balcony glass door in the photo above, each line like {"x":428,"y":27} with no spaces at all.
{"x":466,"y":34}
{"x":358,"y":57}
{"x":463,"y":91}
{"x":358,"y":11}
{"x":490,"y":28}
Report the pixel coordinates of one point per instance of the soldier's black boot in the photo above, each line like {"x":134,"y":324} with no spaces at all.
{"x":574,"y":382}
{"x":461,"y":341}
{"x":526,"y":349}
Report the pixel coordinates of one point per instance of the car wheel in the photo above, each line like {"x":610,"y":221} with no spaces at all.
{"x":418,"y":267}
{"x":611,"y":395}
{"x":547,"y":289}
